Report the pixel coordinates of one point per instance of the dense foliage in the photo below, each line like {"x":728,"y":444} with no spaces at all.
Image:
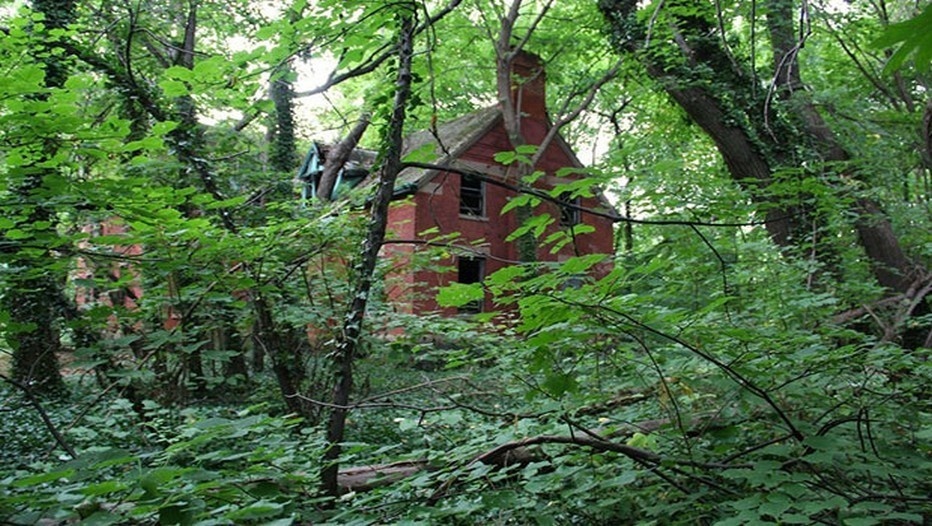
{"x":184,"y":341}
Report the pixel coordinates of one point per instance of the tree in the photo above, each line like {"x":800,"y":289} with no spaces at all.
{"x":761,"y":133}
{"x":711,"y":375}
{"x":33,"y":299}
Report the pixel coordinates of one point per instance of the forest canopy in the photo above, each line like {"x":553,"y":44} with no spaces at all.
{"x":189,"y":335}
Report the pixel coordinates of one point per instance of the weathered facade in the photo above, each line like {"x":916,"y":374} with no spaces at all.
{"x":446,"y":202}
{"x":435,"y":202}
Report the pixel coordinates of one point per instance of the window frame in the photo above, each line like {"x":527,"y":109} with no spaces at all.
{"x":476,"y":192}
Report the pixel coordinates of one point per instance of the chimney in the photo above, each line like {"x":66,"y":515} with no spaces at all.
{"x":528,"y":81}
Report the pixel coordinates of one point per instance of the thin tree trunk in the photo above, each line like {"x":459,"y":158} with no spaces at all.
{"x":283,"y":352}
{"x":508,"y":94}
{"x":378,"y":220}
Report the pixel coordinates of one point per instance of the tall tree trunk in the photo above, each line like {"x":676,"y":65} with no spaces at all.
{"x":713,"y":87}
{"x":34,"y":297}
{"x":365,"y":269}
{"x":509,"y":96}
{"x":187,"y":141}
{"x":889,"y":263}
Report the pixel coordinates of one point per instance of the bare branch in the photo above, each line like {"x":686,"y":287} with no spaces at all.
{"x":572,"y":115}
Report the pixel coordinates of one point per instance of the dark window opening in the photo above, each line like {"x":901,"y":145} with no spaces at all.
{"x":472,"y":198}
{"x":569,"y":216}
{"x":470,"y":270}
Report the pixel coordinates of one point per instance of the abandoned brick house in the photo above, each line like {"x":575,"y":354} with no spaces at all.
{"x":440,"y":201}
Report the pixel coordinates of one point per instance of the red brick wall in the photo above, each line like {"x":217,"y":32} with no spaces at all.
{"x":436,"y":205}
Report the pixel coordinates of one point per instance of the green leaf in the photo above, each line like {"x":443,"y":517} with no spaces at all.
{"x":505,"y":158}
{"x":581,"y":264}
{"x":268,"y":31}
{"x":459,"y":294}
{"x":558,"y":384}
{"x":42,"y":478}
{"x":519,"y":201}
{"x":226,"y":203}
{"x":153,"y":481}
{"x":180,"y":73}
{"x":424,"y":154}
{"x":149,"y":144}
{"x":163,"y":128}
{"x":16,"y":234}
{"x":775,"y":506}
{"x":527,"y":149}
{"x":914,"y":39}
{"x":173,"y":88}
{"x":104,"y":488}
{"x":506,"y":275}
{"x":256,"y":510}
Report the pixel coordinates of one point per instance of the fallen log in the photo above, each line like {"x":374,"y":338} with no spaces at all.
{"x":365,"y":478}
{"x":620,"y":400}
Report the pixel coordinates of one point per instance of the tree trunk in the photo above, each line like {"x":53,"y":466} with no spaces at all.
{"x":378,"y":220}
{"x":509,"y":95}
{"x":338,"y":156}
{"x":889,"y":263}
{"x":34,"y":297}
{"x":282,"y":155}
{"x":713,"y":87}
{"x":284,"y":353}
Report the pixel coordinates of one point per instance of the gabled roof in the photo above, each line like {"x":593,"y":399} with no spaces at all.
{"x":452,"y":139}
{"x":354,"y":171}
{"x":445,"y":145}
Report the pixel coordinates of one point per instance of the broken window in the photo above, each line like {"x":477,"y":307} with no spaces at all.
{"x":472,"y":196}
{"x":569,"y":216}
{"x":470,"y":270}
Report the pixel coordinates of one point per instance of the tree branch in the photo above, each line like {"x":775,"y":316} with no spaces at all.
{"x":34,"y":402}
{"x":338,"y":155}
{"x":544,"y":196}
{"x":377,"y":58}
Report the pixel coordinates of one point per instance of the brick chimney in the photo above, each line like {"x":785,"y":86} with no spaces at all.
{"x":528,"y":83}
